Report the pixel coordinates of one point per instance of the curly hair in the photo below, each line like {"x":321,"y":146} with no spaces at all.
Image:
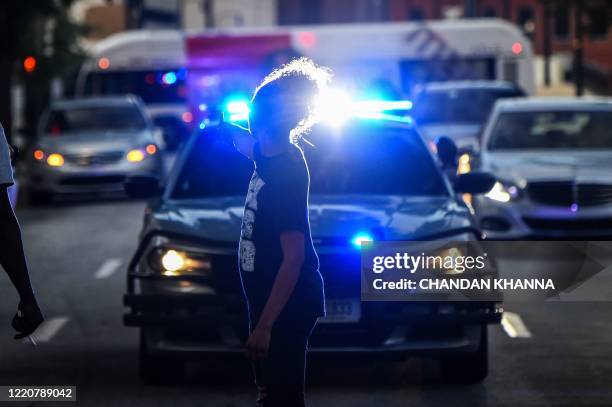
{"x":291,"y":90}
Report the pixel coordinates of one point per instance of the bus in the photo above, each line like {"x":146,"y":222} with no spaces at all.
{"x":186,"y":76}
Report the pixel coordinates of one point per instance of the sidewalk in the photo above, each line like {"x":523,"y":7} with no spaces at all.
{"x":560,"y":90}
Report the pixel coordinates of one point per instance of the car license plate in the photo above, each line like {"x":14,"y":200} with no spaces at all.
{"x":338,"y":311}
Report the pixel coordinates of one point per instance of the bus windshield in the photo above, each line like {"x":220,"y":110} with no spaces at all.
{"x":152,"y":86}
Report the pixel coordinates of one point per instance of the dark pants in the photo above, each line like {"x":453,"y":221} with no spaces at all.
{"x":280,"y":377}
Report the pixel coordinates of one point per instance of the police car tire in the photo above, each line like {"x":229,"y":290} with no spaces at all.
{"x":469,"y":367}
{"x":156,"y":370}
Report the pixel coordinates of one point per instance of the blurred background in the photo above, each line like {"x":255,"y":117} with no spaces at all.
{"x":570,"y":40}
{"x":103,"y":99}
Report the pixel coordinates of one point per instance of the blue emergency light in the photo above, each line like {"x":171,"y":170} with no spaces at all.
{"x":361,"y":237}
{"x":335,"y":108}
{"x":169,"y":78}
{"x":238,"y":111}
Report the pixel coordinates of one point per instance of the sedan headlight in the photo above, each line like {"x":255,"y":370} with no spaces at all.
{"x":55,"y":160}
{"x":135,"y":156}
{"x":457,"y":255}
{"x":451,"y":262}
{"x":503,"y":192}
{"x":176,"y":262}
{"x":139,"y":154}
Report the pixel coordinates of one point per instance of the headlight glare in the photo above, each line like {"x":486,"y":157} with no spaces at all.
{"x":451,"y":262}
{"x":503,"y":192}
{"x":135,"y":156}
{"x":55,"y":160}
{"x":175,"y":262}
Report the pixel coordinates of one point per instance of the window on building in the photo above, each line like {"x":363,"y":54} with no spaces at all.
{"x":311,"y":11}
{"x":526,"y":21}
{"x":489,"y":12}
{"x":598,"y":23}
{"x":416,"y":14}
{"x":561,"y":22}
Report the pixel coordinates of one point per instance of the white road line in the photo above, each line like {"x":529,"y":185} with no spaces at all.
{"x":48,"y":329}
{"x":514,"y":326}
{"x":108,"y":268}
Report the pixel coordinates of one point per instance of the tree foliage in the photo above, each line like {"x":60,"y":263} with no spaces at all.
{"x":42,"y":29}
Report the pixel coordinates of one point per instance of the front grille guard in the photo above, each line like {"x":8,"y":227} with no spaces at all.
{"x":228,"y":249}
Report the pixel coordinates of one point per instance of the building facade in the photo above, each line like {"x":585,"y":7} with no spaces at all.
{"x":550,"y":24}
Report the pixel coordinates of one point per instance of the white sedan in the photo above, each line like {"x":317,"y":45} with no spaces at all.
{"x":553,"y":162}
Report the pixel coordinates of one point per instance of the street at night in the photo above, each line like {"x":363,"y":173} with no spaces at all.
{"x":292,"y":203}
{"x":78,"y":252}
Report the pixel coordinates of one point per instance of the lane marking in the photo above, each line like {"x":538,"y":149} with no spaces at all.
{"x":48,"y":329}
{"x":514,"y":326}
{"x":108,"y":268}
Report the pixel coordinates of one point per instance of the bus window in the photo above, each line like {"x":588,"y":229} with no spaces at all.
{"x":510,"y":71}
{"x":166,"y":86}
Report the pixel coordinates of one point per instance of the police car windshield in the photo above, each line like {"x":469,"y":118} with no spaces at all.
{"x":371,"y":159}
{"x":470,"y":106}
{"x":357,"y":160}
{"x":561,"y":129}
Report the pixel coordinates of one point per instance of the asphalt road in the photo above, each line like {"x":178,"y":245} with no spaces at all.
{"x":552,"y":354}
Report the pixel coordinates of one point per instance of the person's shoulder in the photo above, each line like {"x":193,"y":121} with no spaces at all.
{"x":291,"y":171}
{"x":299,"y":168}
{"x":2,"y":135}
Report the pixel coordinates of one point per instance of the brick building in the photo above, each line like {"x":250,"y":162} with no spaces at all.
{"x":535,"y":17}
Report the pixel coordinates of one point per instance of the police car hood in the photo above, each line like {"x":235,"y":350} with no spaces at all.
{"x":522,"y":167}
{"x":464,"y":135}
{"x":331,"y":217}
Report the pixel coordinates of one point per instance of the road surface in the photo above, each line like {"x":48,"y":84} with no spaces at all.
{"x":557,"y":354}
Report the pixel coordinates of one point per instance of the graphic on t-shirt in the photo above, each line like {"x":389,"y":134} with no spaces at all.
{"x":247,"y":255}
{"x":247,"y":247}
{"x":254,"y":187}
{"x":247,"y":223}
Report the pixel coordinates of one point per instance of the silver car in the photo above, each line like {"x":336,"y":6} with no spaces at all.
{"x":459,"y":109}
{"x":553,"y":162}
{"x":90,"y":146}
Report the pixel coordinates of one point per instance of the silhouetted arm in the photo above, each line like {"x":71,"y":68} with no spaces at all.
{"x":12,"y":259}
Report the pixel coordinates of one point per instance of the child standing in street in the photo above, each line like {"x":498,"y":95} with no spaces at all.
{"x":278,"y":264}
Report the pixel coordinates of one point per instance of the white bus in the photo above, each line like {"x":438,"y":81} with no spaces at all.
{"x":175,"y":72}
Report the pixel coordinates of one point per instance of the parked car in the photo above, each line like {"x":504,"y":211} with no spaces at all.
{"x":376,"y":176}
{"x":553,"y":162}
{"x":459,"y":109}
{"x":90,"y":145}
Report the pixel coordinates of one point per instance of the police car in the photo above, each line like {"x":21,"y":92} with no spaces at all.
{"x":371,"y":178}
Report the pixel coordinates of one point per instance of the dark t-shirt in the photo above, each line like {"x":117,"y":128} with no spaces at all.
{"x":277,"y":202}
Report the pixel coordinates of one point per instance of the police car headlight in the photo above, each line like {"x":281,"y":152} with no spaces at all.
{"x":451,"y":260}
{"x":459,"y":255}
{"x":503,"y":192}
{"x":177,"y":262}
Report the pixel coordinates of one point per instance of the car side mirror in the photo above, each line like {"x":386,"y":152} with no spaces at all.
{"x":474,"y":183}
{"x":447,"y":151}
{"x":142,"y":186}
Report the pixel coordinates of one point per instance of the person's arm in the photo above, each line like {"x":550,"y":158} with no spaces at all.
{"x":12,"y":259}
{"x":292,"y":244}
{"x":243,"y":140}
